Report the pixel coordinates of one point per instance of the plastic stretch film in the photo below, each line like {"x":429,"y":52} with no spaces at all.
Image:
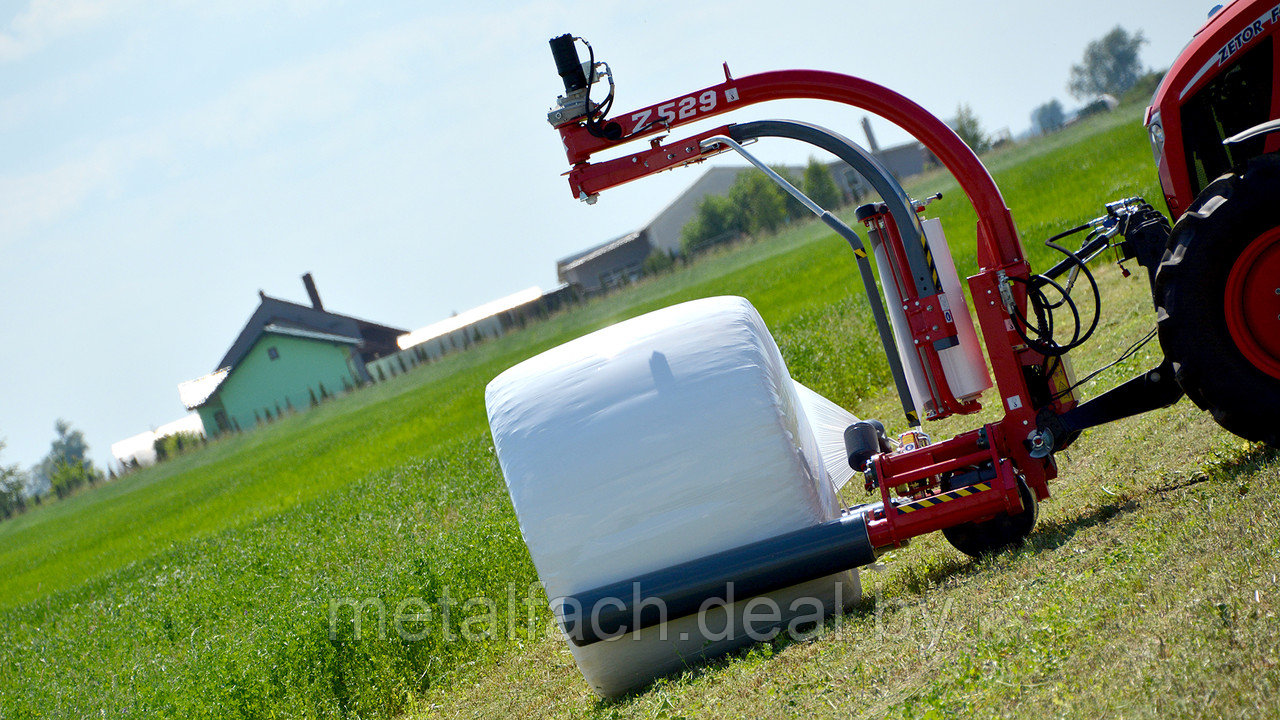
{"x":828,"y":421}
{"x":964,"y":366}
{"x":659,"y":440}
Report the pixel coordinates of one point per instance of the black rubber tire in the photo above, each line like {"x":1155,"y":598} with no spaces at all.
{"x":1003,"y":531}
{"x":1190,"y":290}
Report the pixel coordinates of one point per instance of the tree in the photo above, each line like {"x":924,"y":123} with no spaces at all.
{"x":1048,"y":117}
{"x":792,"y":208}
{"x":819,"y":185}
{"x":13,"y":498}
{"x":658,"y":262}
{"x":754,"y":204}
{"x":715,"y":221}
{"x":69,"y":446}
{"x":66,"y":466}
{"x":170,"y":446}
{"x":760,"y":203}
{"x":1110,"y":65}
{"x":967,"y":126}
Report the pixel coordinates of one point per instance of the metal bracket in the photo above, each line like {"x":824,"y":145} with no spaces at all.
{"x":1149,"y":391}
{"x":928,"y":319}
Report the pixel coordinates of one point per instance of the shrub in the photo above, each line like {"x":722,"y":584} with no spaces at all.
{"x":658,"y":262}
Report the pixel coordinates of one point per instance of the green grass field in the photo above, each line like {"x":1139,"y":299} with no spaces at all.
{"x":205,"y":587}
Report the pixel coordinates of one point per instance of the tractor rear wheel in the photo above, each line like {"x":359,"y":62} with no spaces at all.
{"x":1217,"y":294}
{"x":976,"y":539}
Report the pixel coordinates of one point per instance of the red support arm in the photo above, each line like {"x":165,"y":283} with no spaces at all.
{"x":998,"y":244}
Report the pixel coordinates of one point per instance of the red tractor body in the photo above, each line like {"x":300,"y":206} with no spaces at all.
{"x":1211,"y":92}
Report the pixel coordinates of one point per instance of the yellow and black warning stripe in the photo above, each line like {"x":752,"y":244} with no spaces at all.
{"x":965,"y":491}
{"x":928,"y":258}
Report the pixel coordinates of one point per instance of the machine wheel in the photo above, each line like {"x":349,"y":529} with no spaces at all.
{"x":976,"y":539}
{"x":1217,"y":293}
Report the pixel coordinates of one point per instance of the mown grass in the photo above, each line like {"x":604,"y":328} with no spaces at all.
{"x":1149,"y":589}
{"x":203,"y":588}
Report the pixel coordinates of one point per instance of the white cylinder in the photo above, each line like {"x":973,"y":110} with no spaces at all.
{"x":963,"y":365}
{"x":659,"y":440}
{"x":911,"y":366}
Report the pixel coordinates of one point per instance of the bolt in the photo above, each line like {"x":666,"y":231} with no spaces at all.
{"x":1278,"y":291}
{"x":916,"y":342}
{"x":929,"y":308}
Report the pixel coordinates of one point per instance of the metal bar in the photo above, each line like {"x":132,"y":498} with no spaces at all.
{"x":778,"y":180}
{"x":860,"y":160}
{"x":904,"y":477}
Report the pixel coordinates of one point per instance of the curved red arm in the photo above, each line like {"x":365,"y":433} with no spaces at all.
{"x":998,"y":243}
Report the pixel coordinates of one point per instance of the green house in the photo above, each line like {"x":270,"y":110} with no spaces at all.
{"x":288,"y":358}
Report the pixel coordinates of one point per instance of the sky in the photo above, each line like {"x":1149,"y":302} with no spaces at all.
{"x":161,"y":162}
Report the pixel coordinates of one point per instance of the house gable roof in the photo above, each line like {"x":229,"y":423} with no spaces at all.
{"x":375,"y":338}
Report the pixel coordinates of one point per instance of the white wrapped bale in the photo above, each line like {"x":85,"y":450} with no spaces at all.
{"x":659,"y":440}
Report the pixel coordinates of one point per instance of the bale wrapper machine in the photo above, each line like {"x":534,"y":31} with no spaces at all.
{"x":981,"y":487}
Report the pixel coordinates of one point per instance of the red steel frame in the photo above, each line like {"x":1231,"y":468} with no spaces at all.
{"x":999,"y":251}
{"x":925,"y":317}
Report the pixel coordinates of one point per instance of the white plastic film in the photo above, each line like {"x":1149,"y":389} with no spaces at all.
{"x":963,"y":365}
{"x":661,"y":439}
{"x":828,"y":422}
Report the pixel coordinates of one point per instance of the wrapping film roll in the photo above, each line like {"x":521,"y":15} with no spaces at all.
{"x":658,"y":440}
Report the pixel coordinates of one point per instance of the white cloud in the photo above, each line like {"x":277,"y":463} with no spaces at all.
{"x":43,"y":21}
{"x":410,"y":65}
{"x":30,"y":200}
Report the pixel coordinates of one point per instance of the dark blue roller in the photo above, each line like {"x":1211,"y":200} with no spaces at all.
{"x":743,"y":572}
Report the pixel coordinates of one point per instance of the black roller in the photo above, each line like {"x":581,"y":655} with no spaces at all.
{"x":861,"y":442}
{"x":741,"y":573}
{"x":567,"y":63}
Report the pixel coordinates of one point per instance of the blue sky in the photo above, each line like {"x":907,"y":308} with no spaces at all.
{"x":163,"y":161}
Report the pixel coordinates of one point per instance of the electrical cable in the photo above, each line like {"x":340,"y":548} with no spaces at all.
{"x":601,"y":110}
{"x":1120,"y":220}
{"x":1130,"y":352}
{"x":1097,"y":296}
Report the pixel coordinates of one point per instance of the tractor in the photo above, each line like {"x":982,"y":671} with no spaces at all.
{"x":1216,"y":287}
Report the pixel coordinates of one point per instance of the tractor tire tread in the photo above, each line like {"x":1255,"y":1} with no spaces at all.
{"x":1189,"y":293}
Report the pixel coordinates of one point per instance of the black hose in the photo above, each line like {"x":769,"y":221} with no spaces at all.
{"x":1043,"y":341}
